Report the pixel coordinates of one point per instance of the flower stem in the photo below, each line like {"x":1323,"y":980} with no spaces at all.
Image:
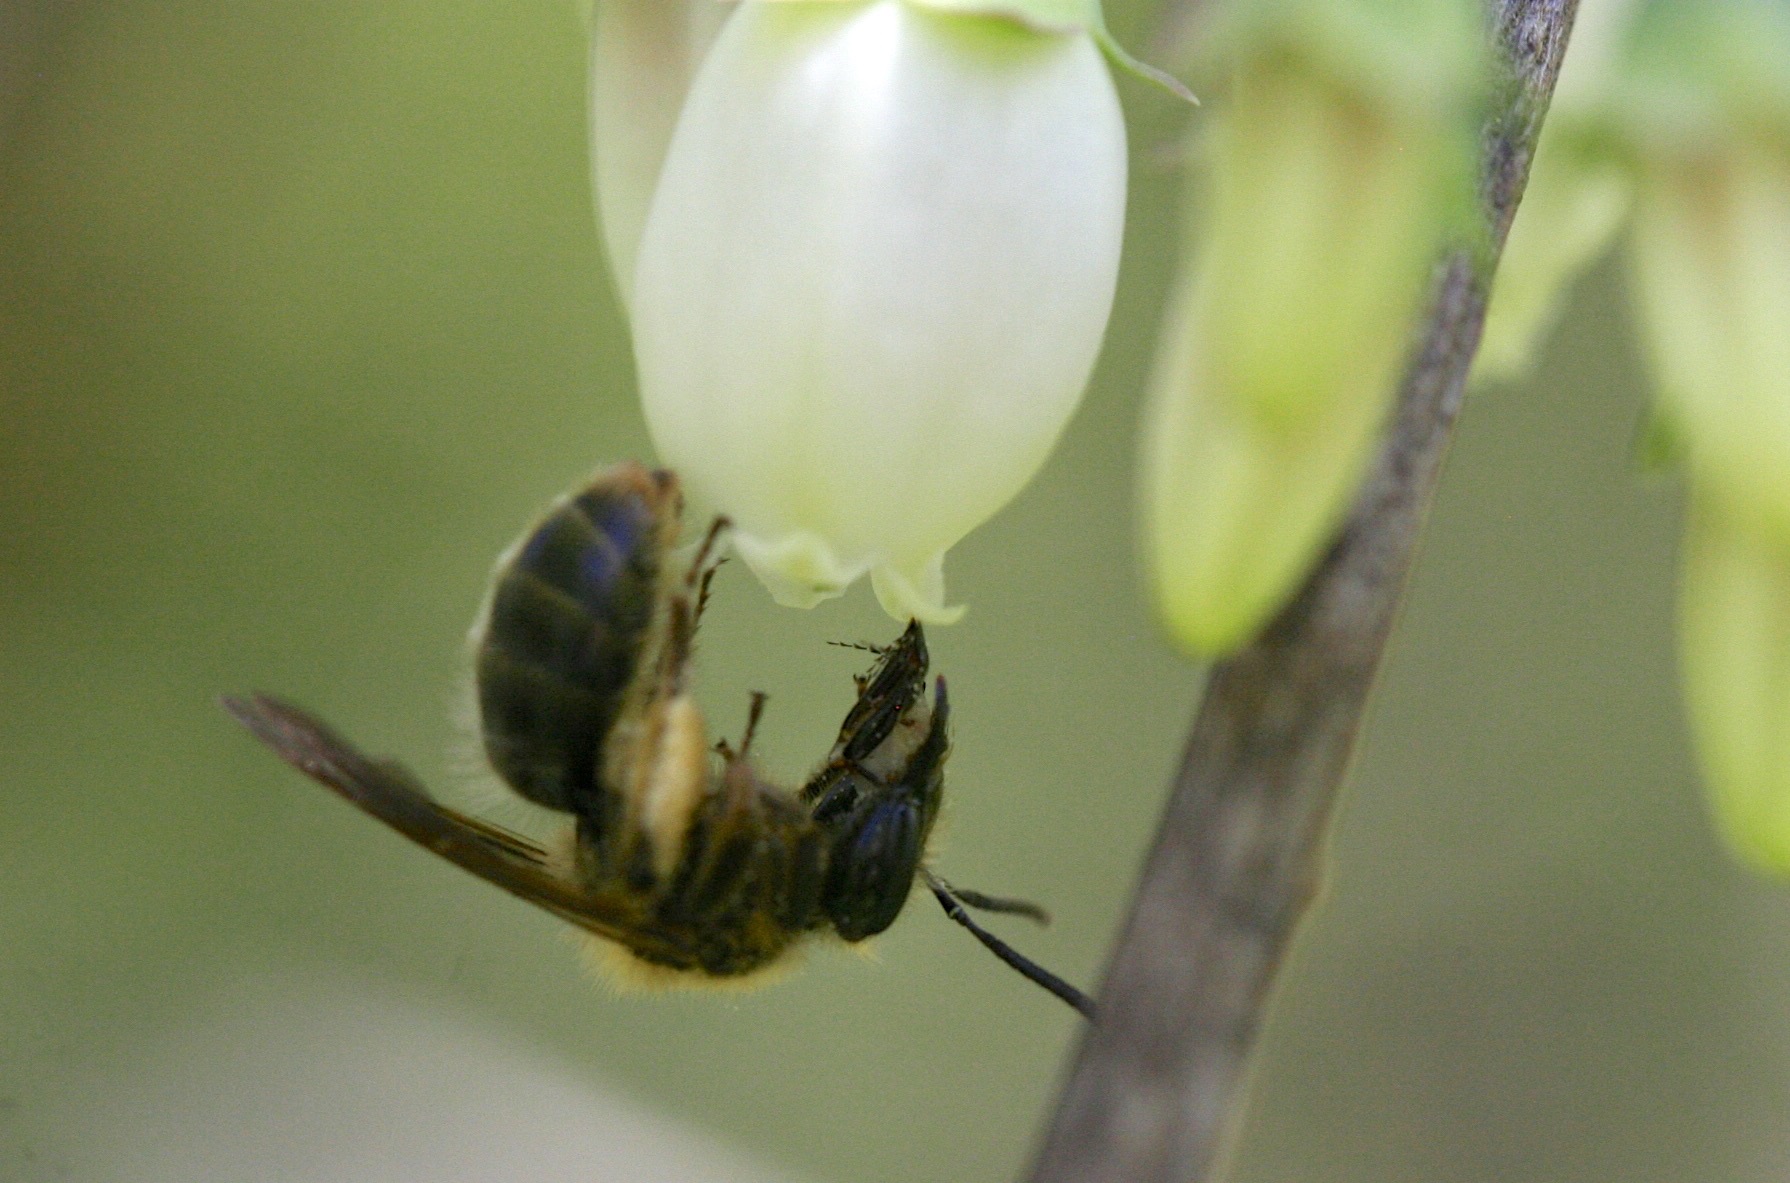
{"x":1159,"y":1080}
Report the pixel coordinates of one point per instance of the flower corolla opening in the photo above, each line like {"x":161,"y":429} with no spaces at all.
{"x":873,"y":281}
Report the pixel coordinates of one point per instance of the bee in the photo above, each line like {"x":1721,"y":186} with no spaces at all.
{"x":684,"y":863}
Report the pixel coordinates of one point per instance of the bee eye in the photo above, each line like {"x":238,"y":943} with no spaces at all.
{"x":873,"y":870}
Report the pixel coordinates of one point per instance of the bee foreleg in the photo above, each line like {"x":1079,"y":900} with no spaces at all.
{"x":754,"y":713}
{"x":702,"y":572}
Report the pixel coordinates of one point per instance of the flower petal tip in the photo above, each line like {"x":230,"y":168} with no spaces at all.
{"x":799,"y":570}
{"x":917,"y":594}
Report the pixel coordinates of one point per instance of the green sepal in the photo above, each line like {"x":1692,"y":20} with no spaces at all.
{"x":1575,"y":205}
{"x":1060,"y":16}
{"x":1142,"y":69}
{"x":1418,"y":56}
{"x":1734,"y":638}
{"x":1046,"y":16}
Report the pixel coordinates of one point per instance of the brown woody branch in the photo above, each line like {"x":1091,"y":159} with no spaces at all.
{"x":1159,"y":1079}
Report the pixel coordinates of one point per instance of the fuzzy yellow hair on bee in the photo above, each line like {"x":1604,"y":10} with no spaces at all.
{"x":687,"y":867}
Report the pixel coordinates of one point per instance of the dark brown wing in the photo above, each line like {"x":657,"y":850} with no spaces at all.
{"x":390,"y":793}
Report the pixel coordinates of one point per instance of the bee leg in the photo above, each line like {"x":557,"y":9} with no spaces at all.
{"x":720,"y":525}
{"x":1027,"y":968}
{"x":702,"y":572}
{"x":754,"y":713}
{"x":686,"y":610}
{"x":702,"y":588}
{"x":680,"y":641}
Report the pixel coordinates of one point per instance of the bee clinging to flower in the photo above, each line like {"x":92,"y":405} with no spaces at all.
{"x":678,"y":856}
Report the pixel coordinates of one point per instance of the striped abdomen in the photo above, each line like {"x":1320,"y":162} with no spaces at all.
{"x":566,"y":634}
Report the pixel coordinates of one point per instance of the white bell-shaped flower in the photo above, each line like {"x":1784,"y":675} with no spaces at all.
{"x":875,"y":275}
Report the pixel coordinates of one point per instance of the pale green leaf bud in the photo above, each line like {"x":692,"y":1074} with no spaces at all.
{"x":1735,"y":639}
{"x":1705,"y":112}
{"x":1573,"y":206}
{"x":876,"y":272}
{"x":1602,"y":34}
{"x":1319,"y":220}
{"x":1235,"y":510}
{"x":1423,"y":58}
{"x":1577,"y":198}
{"x":1706,"y":116}
{"x":1321,"y":208}
{"x":1712,"y":272}
{"x":1693,"y":71}
{"x":644,"y":54}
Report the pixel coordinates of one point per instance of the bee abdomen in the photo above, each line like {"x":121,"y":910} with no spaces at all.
{"x":563,"y":639}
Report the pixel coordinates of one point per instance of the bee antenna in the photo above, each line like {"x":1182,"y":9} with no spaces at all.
{"x":983,"y":902}
{"x":1027,"y":968}
{"x":861,"y":646}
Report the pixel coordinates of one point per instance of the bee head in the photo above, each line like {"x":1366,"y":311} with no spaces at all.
{"x":879,"y":826}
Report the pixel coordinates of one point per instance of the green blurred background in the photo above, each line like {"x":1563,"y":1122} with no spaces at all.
{"x":302,"y":316}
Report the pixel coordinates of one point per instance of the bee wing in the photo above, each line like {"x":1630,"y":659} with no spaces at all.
{"x":390,"y":793}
